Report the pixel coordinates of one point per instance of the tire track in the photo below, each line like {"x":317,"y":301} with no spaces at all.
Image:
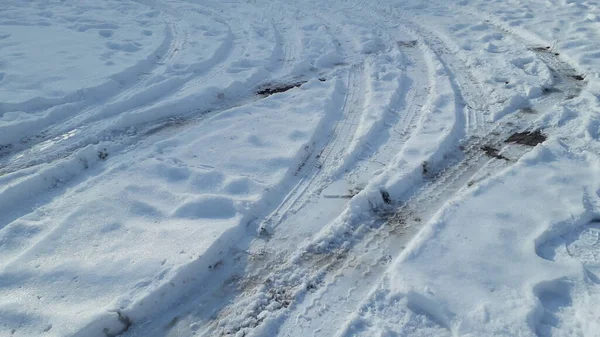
{"x":41,"y":159}
{"x":59,"y":140}
{"x":371,"y":249}
{"x":467,"y":83}
{"x":390,"y":236}
{"x":568,"y":81}
{"x":286,"y":283}
{"x":126,"y":137}
{"x":326,"y":154}
{"x":469,"y":86}
{"x":282,"y":283}
{"x":227,"y":321}
{"x":403,"y":112}
{"x":38,"y":145}
{"x":359,"y":249}
{"x":287,"y":50}
{"x":443,"y":182}
{"x":477,"y":109}
{"x":35,"y":133}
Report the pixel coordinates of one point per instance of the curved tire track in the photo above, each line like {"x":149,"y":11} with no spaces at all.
{"x":289,"y":285}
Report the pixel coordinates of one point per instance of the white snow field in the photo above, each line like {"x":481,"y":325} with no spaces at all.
{"x":175,"y":168}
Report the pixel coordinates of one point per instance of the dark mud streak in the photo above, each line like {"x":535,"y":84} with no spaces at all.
{"x":542,"y":49}
{"x":276,"y":89}
{"x":141,"y":131}
{"x":529,"y":138}
{"x":125,"y":320}
{"x":493,"y":152}
{"x":550,"y":90}
{"x":385,"y":195}
{"x":527,"y":110}
{"x":578,"y":77}
{"x":407,"y":44}
{"x":5,"y":149}
{"x":568,"y":77}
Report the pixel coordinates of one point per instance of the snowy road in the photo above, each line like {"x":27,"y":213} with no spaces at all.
{"x":299,"y":168}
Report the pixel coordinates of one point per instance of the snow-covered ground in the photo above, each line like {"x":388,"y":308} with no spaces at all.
{"x":299,"y":168}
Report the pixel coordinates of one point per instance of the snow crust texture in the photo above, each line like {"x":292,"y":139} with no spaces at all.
{"x":299,"y":168}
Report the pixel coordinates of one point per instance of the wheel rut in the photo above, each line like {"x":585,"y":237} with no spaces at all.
{"x":265,"y":286}
{"x":62,"y":139}
{"x":362,"y":255}
{"x":311,"y":174}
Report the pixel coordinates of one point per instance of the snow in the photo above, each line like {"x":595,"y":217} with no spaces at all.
{"x":472,"y":296}
{"x":263,"y":168}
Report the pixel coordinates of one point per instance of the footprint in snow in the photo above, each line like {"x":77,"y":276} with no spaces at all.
{"x":582,"y":243}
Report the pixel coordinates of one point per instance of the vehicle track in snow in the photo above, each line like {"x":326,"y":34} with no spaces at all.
{"x":279,"y":283}
{"x":310,"y":274}
{"x":279,"y":288}
{"x":324,"y":156}
{"x":34,"y":134}
{"x":357,"y":264}
{"x":345,"y":105}
{"x":325,"y":153}
{"x":477,"y":109}
{"x":100,"y":122}
{"x":282,"y":279}
{"x":288,"y":45}
{"x":308,"y":177}
{"x":467,"y":83}
{"x":567,"y":81}
{"x":395,"y":123}
{"x":312,"y":178}
{"x":42,"y":155}
{"x":392,"y":235}
{"x":401,"y":120}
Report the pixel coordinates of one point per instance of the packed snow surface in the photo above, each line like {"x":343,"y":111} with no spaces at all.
{"x":299,"y":168}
